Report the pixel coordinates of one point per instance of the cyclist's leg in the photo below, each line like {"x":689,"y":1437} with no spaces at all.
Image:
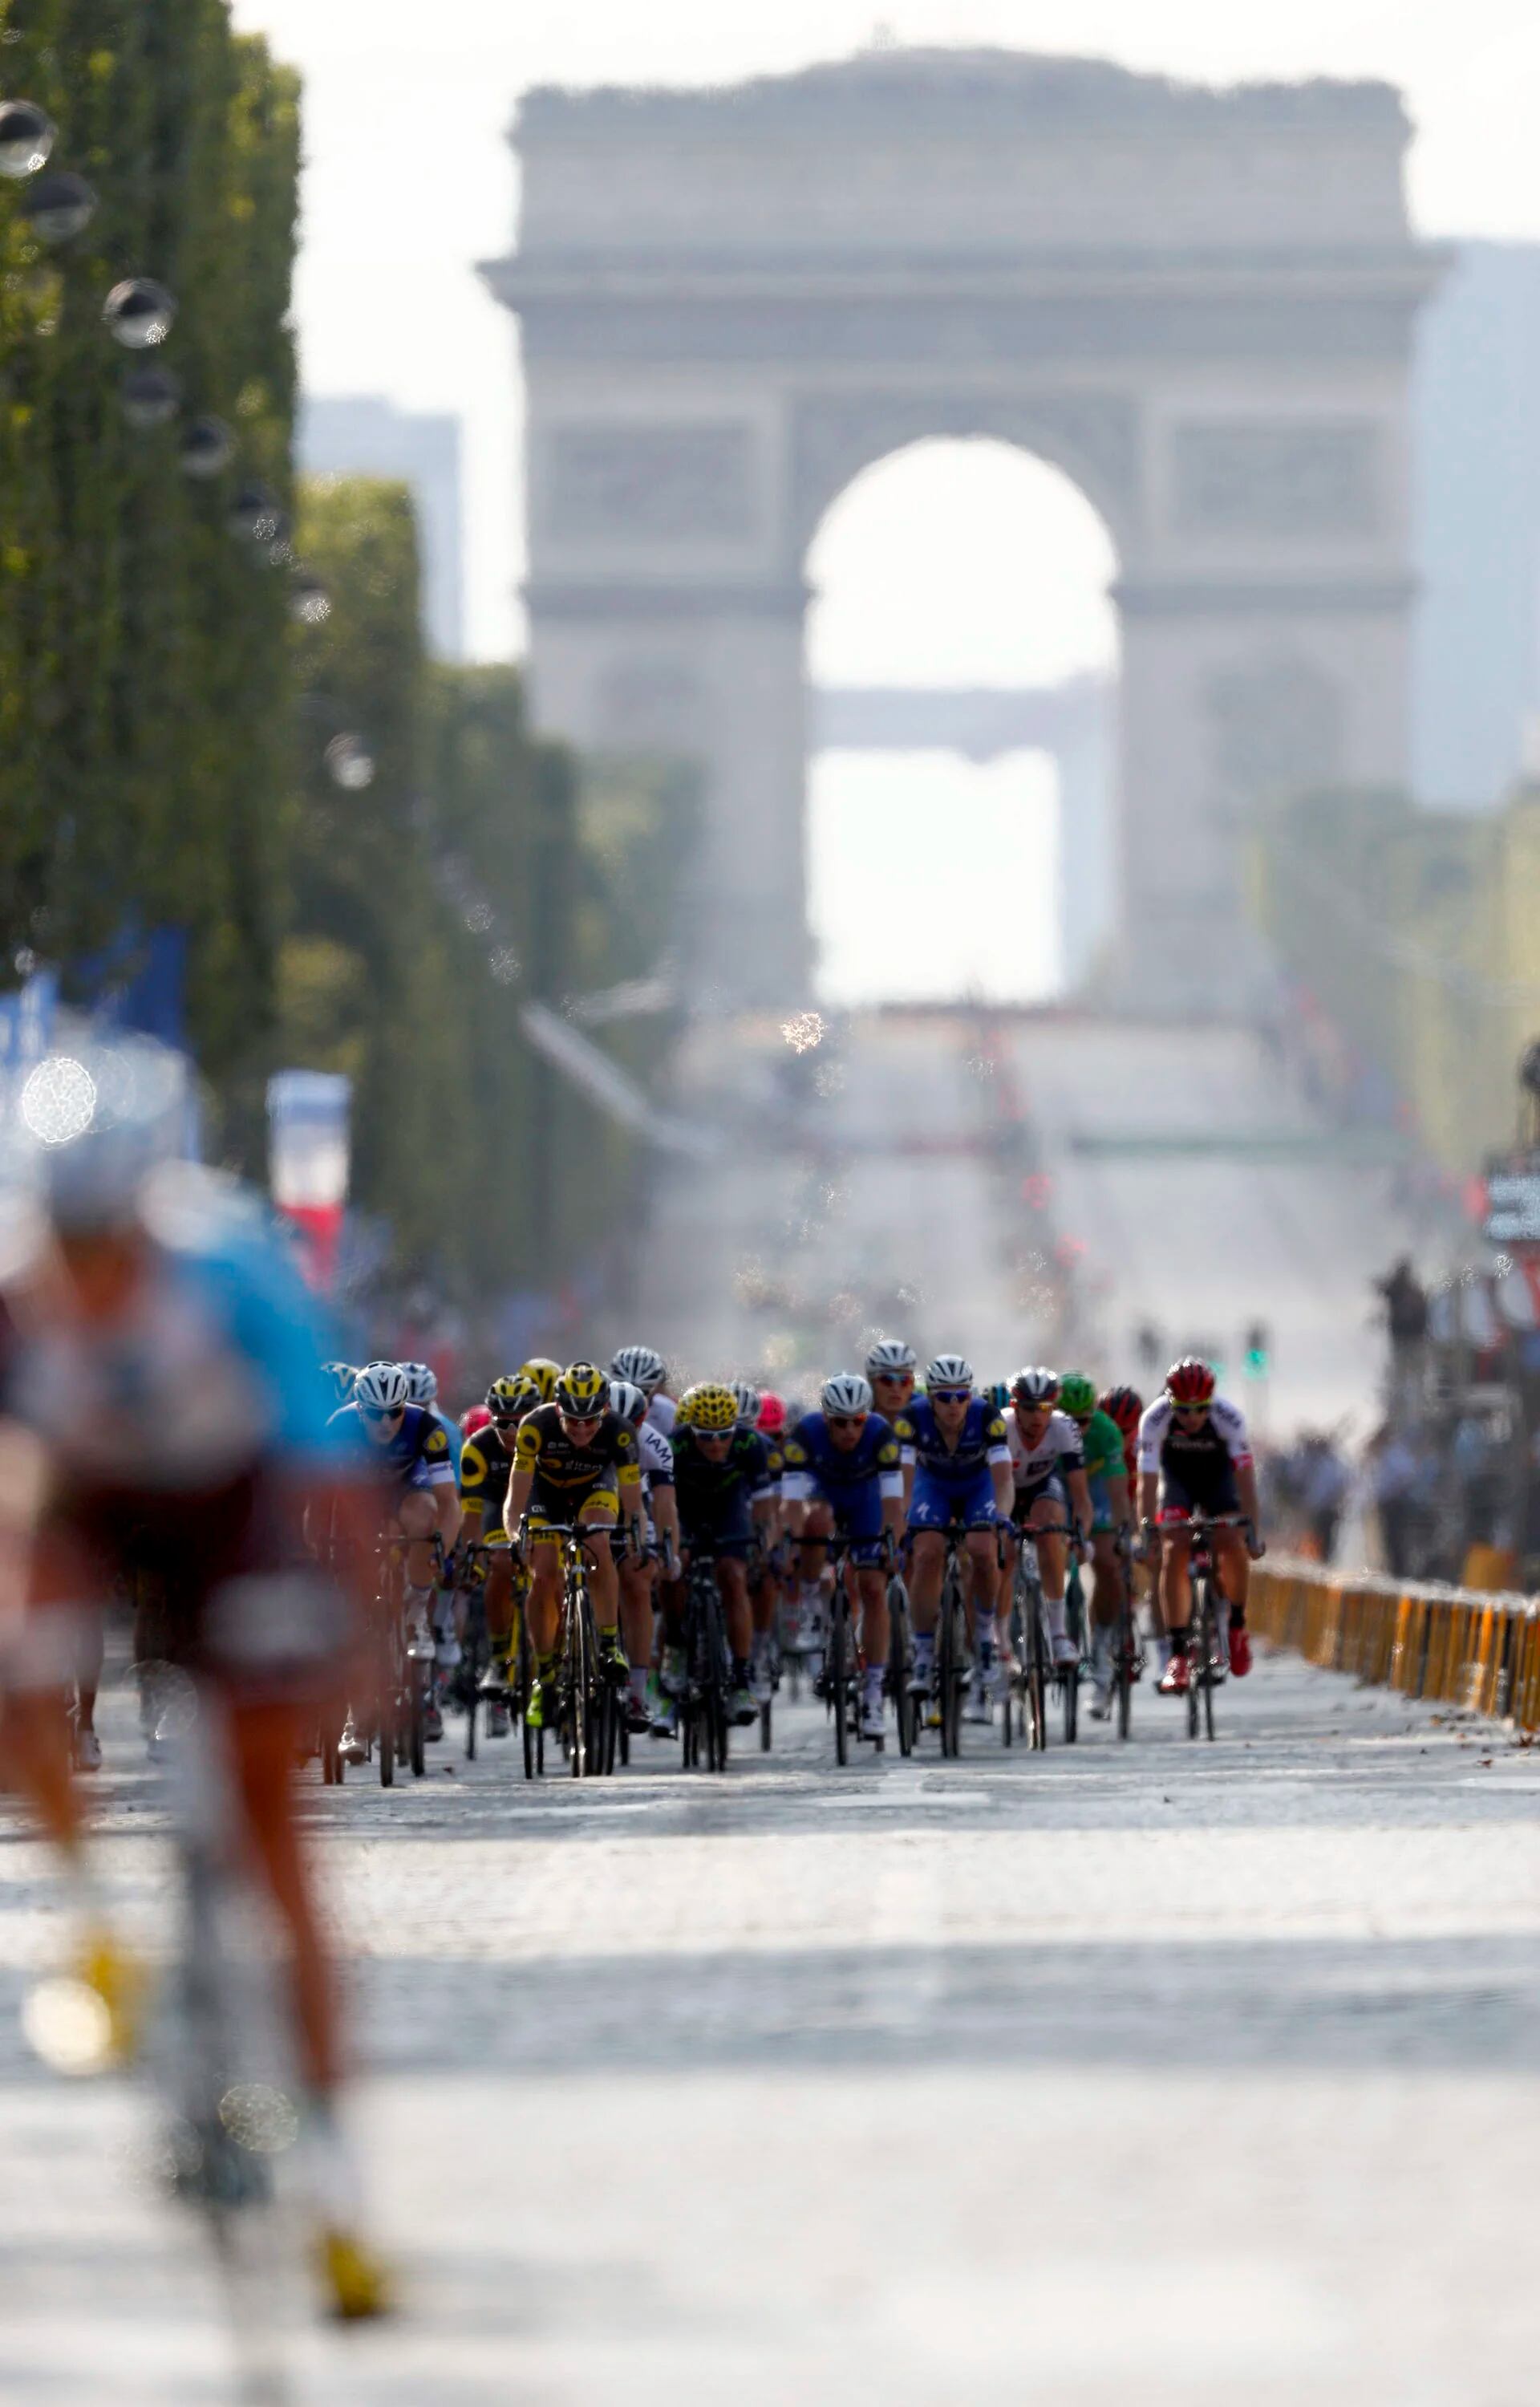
{"x":1046,"y":1519}
{"x":732,"y":1581}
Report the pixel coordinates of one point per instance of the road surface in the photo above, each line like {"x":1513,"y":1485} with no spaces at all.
{"x":854,"y":1192}
{"x":1169,"y":2073}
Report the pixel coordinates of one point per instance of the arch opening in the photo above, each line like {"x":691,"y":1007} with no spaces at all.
{"x":962,"y":653}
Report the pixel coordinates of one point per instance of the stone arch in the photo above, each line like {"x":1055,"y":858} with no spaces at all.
{"x":1198,"y":305}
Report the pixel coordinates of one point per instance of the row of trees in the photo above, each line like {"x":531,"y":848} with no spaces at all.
{"x":164,"y":717}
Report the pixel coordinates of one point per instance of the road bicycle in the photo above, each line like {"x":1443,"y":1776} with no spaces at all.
{"x":900,"y":1663}
{"x":587,"y":1705}
{"x":1128,"y":1654}
{"x":1034,"y":1674}
{"x":953,"y":1657}
{"x":1207,"y":1632}
{"x":841,"y":1682}
{"x":705,"y":1719}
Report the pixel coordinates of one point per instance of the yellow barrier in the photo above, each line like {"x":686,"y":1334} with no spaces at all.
{"x":1466,"y":1647}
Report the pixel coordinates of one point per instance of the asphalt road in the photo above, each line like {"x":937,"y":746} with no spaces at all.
{"x":1164,"y":2073}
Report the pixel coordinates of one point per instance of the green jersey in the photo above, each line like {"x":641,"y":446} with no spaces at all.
{"x":1102,"y":1441}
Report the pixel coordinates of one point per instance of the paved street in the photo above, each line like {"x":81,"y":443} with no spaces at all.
{"x":1167,"y":2072}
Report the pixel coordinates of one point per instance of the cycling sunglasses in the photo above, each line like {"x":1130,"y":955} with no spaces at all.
{"x":383,"y":1412}
{"x":1193,"y":1412}
{"x":950,"y":1395}
{"x":846,"y":1420}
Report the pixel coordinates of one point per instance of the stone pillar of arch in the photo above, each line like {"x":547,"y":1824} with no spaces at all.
{"x":1197,"y":304}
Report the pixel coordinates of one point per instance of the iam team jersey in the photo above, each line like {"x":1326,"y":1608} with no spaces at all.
{"x":1034,"y":1460}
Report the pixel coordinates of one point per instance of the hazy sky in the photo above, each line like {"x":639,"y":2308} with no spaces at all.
{"x":410,"y":180}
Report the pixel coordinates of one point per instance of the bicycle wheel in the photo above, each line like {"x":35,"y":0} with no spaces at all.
{"x":1197,"y":1665}
{"x":1211,"y":1644}
{"x":900,"y":1665}
{"x":1072,"y":1679}
{"x":716,"y":1683}
{"x":951,"y":1654}
{"x":765,"y":1710}
{"x":575,"y":1684}
{"x":1035,"y":1663}
{"x":416,"y":1718}
{"x":385,"y":1740}
{"x":1123,"y":1672}
{"x":837,"y":1672}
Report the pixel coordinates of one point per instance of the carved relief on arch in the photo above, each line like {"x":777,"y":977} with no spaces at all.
{"x":1279,"y":727}
{"x":1093,"y":436}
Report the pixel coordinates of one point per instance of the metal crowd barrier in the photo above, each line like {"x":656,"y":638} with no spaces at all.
{"x":1455,"y":1645}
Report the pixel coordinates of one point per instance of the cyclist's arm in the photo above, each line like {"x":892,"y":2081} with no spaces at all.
{"x":1002,"y":1471}
{"x":1149,"y":1494}
{"x":1246,"y":1488}
{"x":516,"y":1504}
{"x":665,"y":1505}
{"x":1117,"y":1496}
{"x":1080,"y":1498}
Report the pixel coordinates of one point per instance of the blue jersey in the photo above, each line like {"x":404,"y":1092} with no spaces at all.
{"x":210,"y":1371}
{"x":810,"y":1458}
{"x":456,"y":1436}
{"x":418,"y":1452}
{"x":980,"y":1442}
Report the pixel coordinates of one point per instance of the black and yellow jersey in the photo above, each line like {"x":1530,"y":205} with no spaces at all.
{"x":485,"y":1468}
{"x":565,"y":1472}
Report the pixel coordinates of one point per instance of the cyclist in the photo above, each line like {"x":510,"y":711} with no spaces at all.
{"x":891,"y":1368}
{"x":340,"y":1376}
{"x":956,"y":1441}
{"x":844,"y":1478}
{"x":1049,"y":1472}
{"x":423,"y":1388}
{"x":722,"y":1478}
{"x":162,"y":1404}
{"x":766,"y":1583}
{"x":639,"y":1571}
{"x":486,"y":1468}
{"x":1195,"y":1456}
{"x":409,"y":1455}
{"x":1125,"y":1406}
{"x":643,"y":1367}
{"x":1107,"y":1479}
{"x":574,"y":1460}
{"x":544,"y":1372}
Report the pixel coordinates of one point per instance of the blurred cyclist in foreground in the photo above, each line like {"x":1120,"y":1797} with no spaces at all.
{"x":160,"y":1390}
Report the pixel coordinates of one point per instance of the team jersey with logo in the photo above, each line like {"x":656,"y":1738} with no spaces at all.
{"x":1057,"y":1450}
{"x":1167,"y":1445}
{"x":982,"y":1439}
{"x":567,"y":1472}
{"x":418,"y":1450}
{"x":811,"y":1460}
{"x":486,"y":1466}
{"x":1101,"y":1443}
{"x":657,"y":1457}
{"x":704,"y":1487}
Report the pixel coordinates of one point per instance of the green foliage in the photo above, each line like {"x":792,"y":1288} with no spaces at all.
{"x":474,"y":872}
{"x":144,"y":653}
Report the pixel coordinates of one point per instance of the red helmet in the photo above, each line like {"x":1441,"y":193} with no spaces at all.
{"x":1124,"y":1407}
{"x":773,"y":1416}
{"x":1190,"y":1381}
{"x":476,"y":1418}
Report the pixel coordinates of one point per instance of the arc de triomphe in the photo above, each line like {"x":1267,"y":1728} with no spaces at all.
{"x":1199,"y":305}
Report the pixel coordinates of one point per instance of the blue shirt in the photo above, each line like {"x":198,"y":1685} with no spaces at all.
{"x":811,"y":1455}
{"x":420,"y":1445}
{"x":981,"y":1440}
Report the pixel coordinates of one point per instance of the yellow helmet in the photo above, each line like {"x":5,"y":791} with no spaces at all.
{"x":583,"y":1391}
{"x":711,"y":1407}
{"x":515,"y":1393}
{"x":544,"y":1373}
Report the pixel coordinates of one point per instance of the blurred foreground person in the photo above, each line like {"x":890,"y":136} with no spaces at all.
{"x":161,"y":1391}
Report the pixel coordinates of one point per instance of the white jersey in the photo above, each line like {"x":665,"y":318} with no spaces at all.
{"x":1059,"y":1449}
{"x":656,"y":1455}
{"x":1165,"y":1444}
{"x":661,"y":1414}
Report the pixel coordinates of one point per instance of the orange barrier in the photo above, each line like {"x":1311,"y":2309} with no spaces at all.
{"x":1464,"y":1647}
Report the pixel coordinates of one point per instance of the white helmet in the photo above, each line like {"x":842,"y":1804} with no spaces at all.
{"x":846,"y":1392}
{"x":948,"y":1371}
{"x":381,"y":1388}
{"x":628,"y":1401}
{"x":1035,"y":1387}
{"x":422,"y":1385}
{"x":747,"y":1399}
{"x":890,"y":1358}
{"x":643,"y":1366}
